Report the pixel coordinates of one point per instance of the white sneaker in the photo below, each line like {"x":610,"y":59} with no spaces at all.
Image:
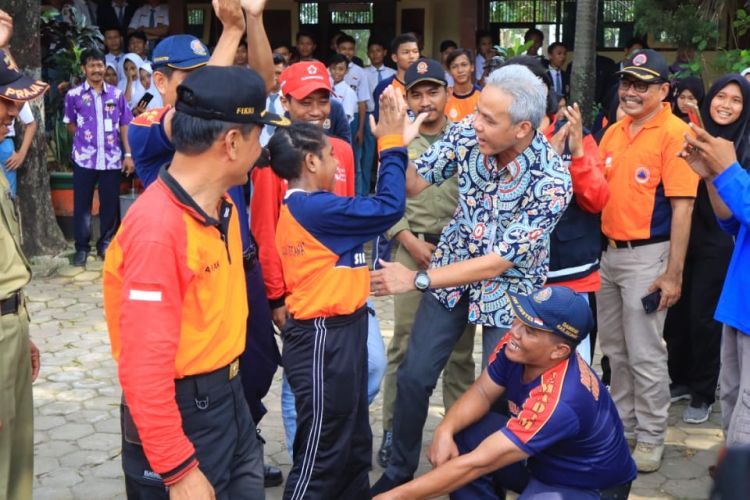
{"x":647,"y":456}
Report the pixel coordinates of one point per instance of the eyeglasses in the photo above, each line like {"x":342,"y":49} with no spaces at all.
{"x":638,"y":86}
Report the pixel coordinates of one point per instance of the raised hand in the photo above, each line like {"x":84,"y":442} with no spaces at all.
{"x":253,"y":7}
{"x":392,"y":114}
{"x":575,"y":134}
{"x":707,"y":155}
{"x":230,"y":14}
{"x":6,"y":29}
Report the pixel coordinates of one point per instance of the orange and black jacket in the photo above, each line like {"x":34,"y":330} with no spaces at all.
{"x":320,"y":239}
{"x":176,"y":305}
{"x":265,"y":205}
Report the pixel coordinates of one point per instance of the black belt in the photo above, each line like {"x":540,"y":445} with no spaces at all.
{"x":635,"y":243}
{"x":194,"y":384}
{"x":429,"y":237}
{"x":12,"y":304}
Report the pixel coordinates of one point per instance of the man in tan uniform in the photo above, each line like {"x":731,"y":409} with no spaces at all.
{"x":19,"y":357}
{"x":415,"y":237}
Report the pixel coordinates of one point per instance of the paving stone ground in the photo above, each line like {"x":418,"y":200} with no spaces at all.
{"x":76,"y":398}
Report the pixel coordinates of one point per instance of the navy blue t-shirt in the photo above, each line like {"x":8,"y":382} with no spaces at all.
{"x":566,"y":422}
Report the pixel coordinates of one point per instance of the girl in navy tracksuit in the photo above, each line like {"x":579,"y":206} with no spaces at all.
{"x":320,"y":238}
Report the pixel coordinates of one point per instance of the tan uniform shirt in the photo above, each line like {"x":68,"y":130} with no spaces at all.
{"x":432,"y":209}
{"x":15,"y":271}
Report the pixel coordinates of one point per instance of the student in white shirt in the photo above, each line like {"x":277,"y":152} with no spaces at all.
{"x":484,"y":51}
{"x":338,"y":67}
{"x":377,"y":71}
{"x":273,"y":101}
{"x":10,"y":159}
{"x":152,"y":18}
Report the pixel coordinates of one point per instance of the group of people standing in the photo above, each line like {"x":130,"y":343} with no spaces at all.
{"x":256,"y":218}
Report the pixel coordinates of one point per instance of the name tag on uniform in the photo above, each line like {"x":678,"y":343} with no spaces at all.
{"x":108,"y":124}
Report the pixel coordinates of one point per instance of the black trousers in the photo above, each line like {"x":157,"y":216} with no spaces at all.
{"x":325,"y":361}
{"x":261,"y":357}
{"x":693,"y":336}
{"x":85,"y":180}
{"x":216,"y":419}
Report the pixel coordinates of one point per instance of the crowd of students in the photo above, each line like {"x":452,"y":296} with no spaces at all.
{"x":518,"y":220}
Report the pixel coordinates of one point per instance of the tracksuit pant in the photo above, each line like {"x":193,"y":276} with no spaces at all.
{"x":516,"y":476}
{"x":325,"y":361}
{"x":433,"y":339}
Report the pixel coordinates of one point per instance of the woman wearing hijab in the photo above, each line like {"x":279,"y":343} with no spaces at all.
{"x":131,"y":84}
{"x":688,"y":91}
{"x":693,"y":337}
{"x":146,"y":90}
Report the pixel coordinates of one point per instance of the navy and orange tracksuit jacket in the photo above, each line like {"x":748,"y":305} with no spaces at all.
{"x":320,"y":238}
{"x":265,"y":205}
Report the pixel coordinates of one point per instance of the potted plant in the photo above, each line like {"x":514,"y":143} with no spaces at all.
{"x":64,"y":37}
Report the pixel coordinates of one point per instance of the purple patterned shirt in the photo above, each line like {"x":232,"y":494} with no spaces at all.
{"x":98,"y":118}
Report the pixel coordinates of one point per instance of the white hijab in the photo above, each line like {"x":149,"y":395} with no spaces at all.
{"x":156,"y":101}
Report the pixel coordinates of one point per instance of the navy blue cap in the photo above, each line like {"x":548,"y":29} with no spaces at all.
{"x":424,"y":70}
{"x":16,"y":86}
{"x":199,"y":95}
{"x":556,"y":309}
{"x":180,"y":52}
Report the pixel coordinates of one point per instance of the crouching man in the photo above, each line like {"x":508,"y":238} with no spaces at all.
{"x":564,"y":435}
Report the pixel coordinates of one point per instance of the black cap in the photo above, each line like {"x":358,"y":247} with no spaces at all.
{"x":424,"y":70}
{"x":203,"y":94}
{"x":16,"y":86}
{"x":646,"y":65}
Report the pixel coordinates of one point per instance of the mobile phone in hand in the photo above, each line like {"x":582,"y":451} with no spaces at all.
{"x":651,"y":301}
{"x":145,"y":100}
{"x":694,"y":114}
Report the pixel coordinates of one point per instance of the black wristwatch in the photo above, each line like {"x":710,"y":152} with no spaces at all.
{"x":422,"y":281}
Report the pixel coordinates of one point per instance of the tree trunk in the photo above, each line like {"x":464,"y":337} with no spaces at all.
{"x":583,"y":78}
{"x":41,"y":234}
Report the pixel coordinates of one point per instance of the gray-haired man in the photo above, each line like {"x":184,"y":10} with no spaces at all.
{"x":513,"y":190}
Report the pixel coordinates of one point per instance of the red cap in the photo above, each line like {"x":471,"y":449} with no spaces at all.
{"x":303,"y":78}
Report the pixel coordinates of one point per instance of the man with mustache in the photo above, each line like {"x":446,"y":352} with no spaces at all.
{"x":647,"y":225}
{"x":415,"y":237}
{"x":97,"y":116}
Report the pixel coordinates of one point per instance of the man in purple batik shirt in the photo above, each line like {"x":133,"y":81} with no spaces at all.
{"x":97,"y":115}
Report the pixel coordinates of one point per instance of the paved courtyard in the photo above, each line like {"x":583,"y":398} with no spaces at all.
{"x":77,"y":438}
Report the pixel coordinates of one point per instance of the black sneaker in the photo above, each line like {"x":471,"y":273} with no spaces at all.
{"x":384,"y":454}
{"x":384,"y":484}
{"x":678,"y":392}
{"x":79,"y":259}
{"x":272,"y":476}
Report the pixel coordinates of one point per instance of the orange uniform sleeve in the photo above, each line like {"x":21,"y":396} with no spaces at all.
{"x":153,"y":277}
{"x":268,"y":193}
{"x":589,"y":184}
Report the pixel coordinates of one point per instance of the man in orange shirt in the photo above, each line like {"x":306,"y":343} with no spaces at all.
{"x":465,"y":93}
{"x":647,"y":224}
{"x":176,"y":303}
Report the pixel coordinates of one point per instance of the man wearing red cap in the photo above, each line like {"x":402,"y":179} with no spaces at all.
{"x":19,"y":357}
{"x":305,"y":94}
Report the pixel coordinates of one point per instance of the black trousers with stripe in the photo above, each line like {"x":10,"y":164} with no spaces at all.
{"x":325,"y":361}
